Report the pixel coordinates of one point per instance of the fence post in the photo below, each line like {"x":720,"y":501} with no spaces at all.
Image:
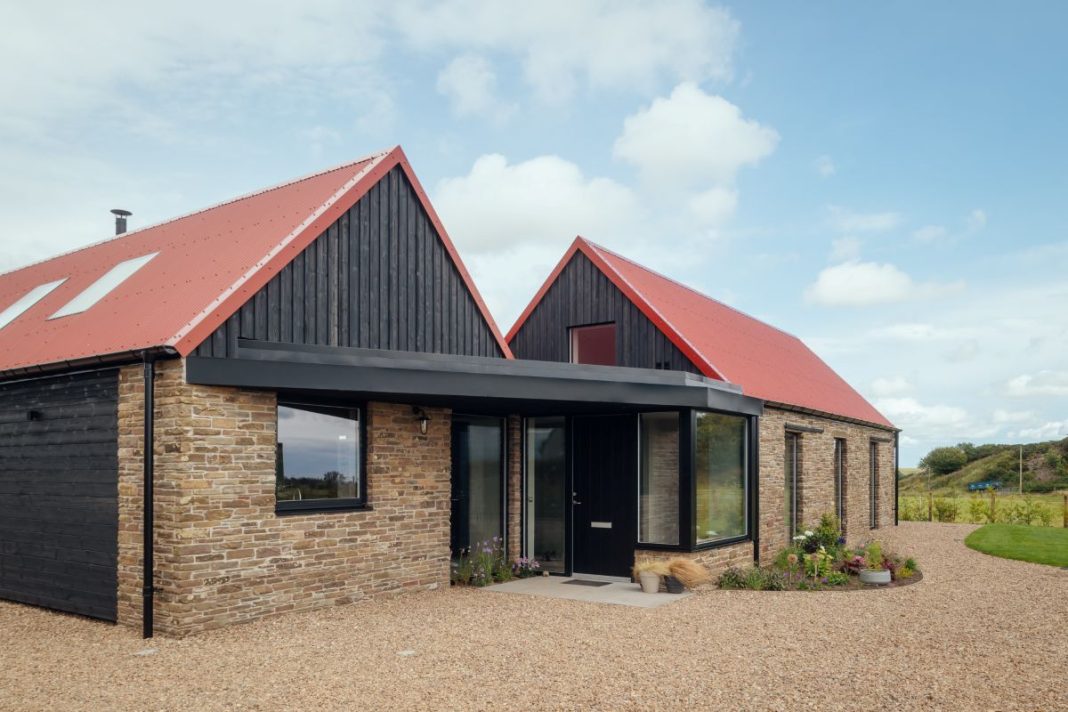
{"x":930,"y":507}
{"x":1065,"y":522}
{"x":993,"y":505}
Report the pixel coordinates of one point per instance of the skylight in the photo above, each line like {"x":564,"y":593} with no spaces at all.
{"x":28,"y":300}
{"x":103,"y":286}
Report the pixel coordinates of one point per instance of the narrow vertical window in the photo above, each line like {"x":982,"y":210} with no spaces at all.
{"x":721,"y":482}
{"x":793,"y":466}
{"x":873,"y":486}
{"x":658,"y":481}
{"x":840,"y":482}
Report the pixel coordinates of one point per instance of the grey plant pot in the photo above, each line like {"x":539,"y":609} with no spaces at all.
{"x":875,"y":576}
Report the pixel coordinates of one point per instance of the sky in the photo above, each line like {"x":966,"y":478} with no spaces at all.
{"x":885,"y":181}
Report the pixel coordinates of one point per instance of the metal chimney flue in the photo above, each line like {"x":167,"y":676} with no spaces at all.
{"x":120,"y":219}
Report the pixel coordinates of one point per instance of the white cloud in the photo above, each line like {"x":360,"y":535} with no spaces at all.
{"x":470,"y":84}
{"x":603,"y":44}
{"x":856,"y":283}
{"x":1049,"y":431}
{"x":930,"y":233}
{"x":714,"y":206}
{"x":883,"y":387}
{"x":844,"y":220}
{"x":1043,"y":383}
{"x":824,"y":166}
{"x":921,"y":331}
{"x":976,"y":220}
{"x":692,"y":138}
{"x":1001,"y":415}
{"x":844,"y":249}
{"x":930,"y":420}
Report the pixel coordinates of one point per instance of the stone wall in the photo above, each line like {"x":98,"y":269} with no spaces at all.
{"x":222,"y":554}
{"x":513,"y":481}
{"x":716,"y":560}
{"x":816,"y":485}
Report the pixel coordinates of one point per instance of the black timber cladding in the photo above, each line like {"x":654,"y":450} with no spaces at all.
{"x":59,"y":492}
{"x":582,"y":295}
{"x":378,"y":278}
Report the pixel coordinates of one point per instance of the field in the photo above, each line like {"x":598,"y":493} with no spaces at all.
{"x":1011,"y":541}
{"x":1037,"y":510}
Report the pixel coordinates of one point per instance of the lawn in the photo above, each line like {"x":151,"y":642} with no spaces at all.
{"x":1012,"y":541}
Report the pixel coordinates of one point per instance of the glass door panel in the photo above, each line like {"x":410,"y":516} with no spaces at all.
{"x":546,"y":493}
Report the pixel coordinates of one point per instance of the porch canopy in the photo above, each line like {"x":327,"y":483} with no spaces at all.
{"x":489,"y":384}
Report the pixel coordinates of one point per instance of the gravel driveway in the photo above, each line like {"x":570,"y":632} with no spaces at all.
{"x":977,"y":633}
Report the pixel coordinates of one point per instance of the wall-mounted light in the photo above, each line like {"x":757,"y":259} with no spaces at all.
{"x":422,"y":417}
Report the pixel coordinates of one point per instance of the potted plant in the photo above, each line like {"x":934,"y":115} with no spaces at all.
{"x":648,"y":573}
{"x":875,"y":572}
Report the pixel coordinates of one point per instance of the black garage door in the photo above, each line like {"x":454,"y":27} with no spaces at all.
{"x":59,"y":492}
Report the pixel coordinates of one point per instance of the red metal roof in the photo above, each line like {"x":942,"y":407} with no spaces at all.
{"x":209,"y":263}
{"x":722,"y":342}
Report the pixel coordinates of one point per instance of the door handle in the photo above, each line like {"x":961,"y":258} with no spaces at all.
{"x":573,"y":500}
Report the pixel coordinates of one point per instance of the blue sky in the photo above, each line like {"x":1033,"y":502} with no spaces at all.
{"x":886,"y":182}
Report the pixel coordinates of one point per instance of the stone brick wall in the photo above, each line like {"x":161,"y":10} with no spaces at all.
{"x":513,"y":482}
{"x":716,"y":560}
{"x":223,"y":556}
{"x":816,"y":485}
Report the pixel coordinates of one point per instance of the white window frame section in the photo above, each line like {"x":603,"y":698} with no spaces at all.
{"x":27,"y":300}
{"x":105,"y":285}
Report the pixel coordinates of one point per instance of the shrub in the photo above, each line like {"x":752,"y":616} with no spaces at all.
{"x":788,"y":558}
{"x":733,"y":577}
{"x":853,"y":565}
{"x":873,"y":555}
{"x":1044,"y":515}
{"x":944,"y":460}
{"x":526,"y":567}
{"x":913,"y":509}
{"x":979,"y":509}
{"x":656,"y":566}
{"x":837,"y":578}
{"x":946,"y":510}
{"x":755,"y":579}
{"x":482,"y":564}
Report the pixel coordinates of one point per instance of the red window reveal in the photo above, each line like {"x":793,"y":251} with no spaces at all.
{"x":595,"y":345}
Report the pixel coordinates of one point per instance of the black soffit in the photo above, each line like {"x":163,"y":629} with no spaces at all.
{"x":407,"y":376}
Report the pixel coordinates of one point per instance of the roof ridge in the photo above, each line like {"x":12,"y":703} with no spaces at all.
{"x":285,"y":184}
{"x":687,"y":287}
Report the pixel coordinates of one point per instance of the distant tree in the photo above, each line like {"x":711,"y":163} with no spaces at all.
{"x":944,"y":460}
{"x":970,"y":451}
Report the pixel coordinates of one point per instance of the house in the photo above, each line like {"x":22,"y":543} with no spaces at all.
{"x":822,"y":447}
{"x":298,"y":399}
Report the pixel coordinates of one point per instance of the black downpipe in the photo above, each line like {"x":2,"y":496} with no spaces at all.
{"x":897,"y":475}
{"x":148,"y":523}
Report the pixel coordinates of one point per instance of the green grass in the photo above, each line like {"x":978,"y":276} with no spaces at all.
{"x":1038,"y":545}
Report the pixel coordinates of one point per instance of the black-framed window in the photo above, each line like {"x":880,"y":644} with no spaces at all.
{"x":720,"y":477}
{"x":873,"y":486}
{"x":840,"y":482}
{"x":792,"y":461}
{"x":594,"y":344}
{"x":319,"y":458}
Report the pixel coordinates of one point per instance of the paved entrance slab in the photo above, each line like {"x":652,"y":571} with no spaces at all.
{"x":615,"y":593}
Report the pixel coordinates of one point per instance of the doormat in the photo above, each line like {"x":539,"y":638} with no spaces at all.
{"x":585,"y":582}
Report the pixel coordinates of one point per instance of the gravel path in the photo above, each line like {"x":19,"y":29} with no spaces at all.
{"x":978,"y":633}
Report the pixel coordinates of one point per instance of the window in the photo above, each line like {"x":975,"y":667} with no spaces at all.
{"x":720,"y":477}
{"x":658,"y":484}
{"x":793,"y":475}
{"x":546,"y":492}
{"x":873,"y":486}
{"x":840,"y":482}
{"x":594,"y":345}
{"x":318,"y":458}
{"x":103,"y":286}
{"x":26,"y":301}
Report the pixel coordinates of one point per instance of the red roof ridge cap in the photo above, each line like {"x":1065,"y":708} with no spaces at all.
{"x":378,"y":155}
{"x":689,"y":288}
{"x":284,"y":241}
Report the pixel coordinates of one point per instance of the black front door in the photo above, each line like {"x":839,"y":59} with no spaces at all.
{"x":605,"y":494}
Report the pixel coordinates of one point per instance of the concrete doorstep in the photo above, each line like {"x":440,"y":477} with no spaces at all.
{"x":615,"y":593}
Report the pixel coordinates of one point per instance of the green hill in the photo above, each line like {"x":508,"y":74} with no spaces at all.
{"x":1045,"y":469}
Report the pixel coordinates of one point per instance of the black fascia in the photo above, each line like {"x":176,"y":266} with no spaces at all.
{"x":437,"y":378}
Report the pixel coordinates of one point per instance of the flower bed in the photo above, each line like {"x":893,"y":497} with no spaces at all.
{"x":819,"y":560}
{"x":484,"y":563}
